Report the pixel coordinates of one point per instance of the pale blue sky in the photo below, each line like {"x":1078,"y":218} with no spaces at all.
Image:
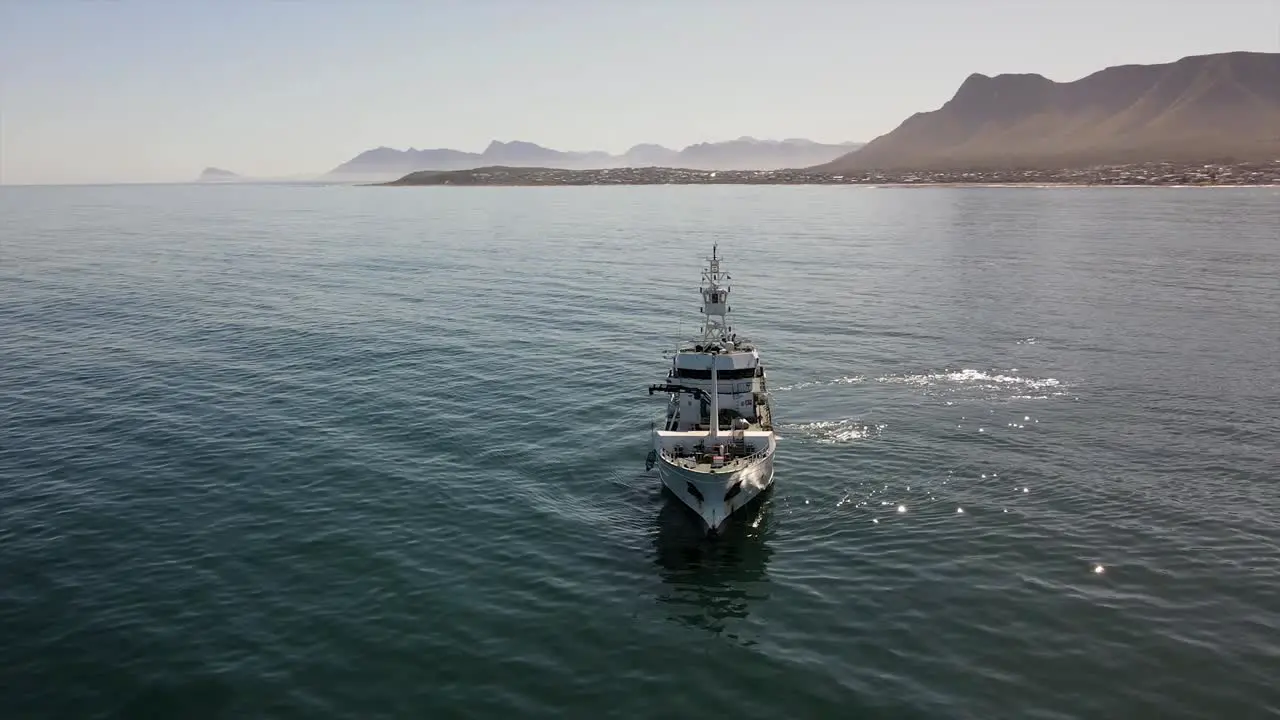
{"x":155,"y":90}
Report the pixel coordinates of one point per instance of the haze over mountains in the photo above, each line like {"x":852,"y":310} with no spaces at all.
{"x":1200,"y":108}
{"x":745,"y":153}
{"x":1206,"y":108}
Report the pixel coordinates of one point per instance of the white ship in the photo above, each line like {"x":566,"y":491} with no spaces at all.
{"x":715,"y":449}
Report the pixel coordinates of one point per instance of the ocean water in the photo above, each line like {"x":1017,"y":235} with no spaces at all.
{"x":340,"y":452}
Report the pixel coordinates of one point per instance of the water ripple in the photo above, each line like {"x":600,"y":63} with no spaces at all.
{"x":344,"y":452}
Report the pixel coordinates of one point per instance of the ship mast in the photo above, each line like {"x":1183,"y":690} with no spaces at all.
{"x":714,"y":433}
{"x":715,"y":326}
{"x":715,"y":300}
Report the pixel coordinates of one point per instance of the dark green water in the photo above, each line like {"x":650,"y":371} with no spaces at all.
{"x":333,"y":452}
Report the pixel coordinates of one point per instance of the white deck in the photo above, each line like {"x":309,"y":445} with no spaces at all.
{"x":729,"y":466}
{"x":678,"y":448}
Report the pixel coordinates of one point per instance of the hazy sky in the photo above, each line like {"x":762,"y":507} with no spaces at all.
{"x":134,"y":90}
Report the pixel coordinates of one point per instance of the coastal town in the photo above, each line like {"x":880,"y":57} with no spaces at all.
{"x":1168,"y":174}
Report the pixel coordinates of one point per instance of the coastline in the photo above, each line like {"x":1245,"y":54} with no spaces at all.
{"x":1142,"y":175}
{"x":865,"y":186}
{"x":1054,"y":186}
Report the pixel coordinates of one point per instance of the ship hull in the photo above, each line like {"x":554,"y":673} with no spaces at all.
{"x":705,"y":493}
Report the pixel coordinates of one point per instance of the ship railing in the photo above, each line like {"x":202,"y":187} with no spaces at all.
{"x":692,"y":460}
{"x":748,"y":459}
{"x":681,"y":460}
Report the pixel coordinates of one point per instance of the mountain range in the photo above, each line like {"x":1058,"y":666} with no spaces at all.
{"x":745,"y":153}
{"x":1202,"y":108}
{"x":1208,"y":108}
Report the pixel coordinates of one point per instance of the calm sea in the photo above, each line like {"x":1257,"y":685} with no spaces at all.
{"x":346,"y":452}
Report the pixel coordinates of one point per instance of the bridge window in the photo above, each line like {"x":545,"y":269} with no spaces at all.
{"x":740,"y":374}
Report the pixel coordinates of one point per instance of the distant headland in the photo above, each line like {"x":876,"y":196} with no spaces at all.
{"x":213,"y":174}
